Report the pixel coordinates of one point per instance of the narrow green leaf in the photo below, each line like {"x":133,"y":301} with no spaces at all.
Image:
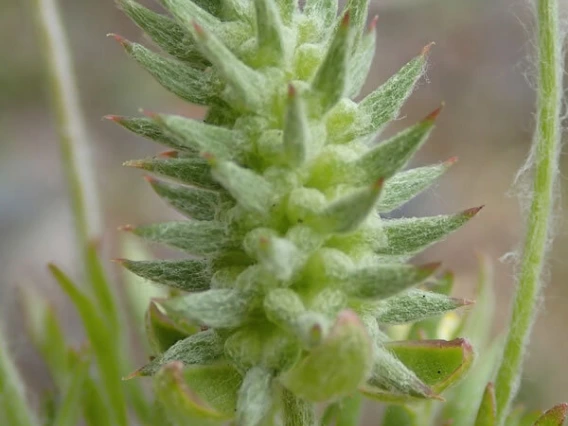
{"x":186,"y":275}
{"x":269,"y":29}
{"x":486,"y":415}
{"x":44,"y":329}
{"x":297,"y":412}
{"x":190,"y":84}
{"x":195,"y":203}
{"x":390,"y":156}
{"x":330,"y":80}
{"x":243,"y":80}
{"x":382,"y":281}
{"x":404,"y":186}
{"x":68,"y":412}
{"x":191,"y":171}
{"x":553,"y":417}
{"x":415,"y":305}
{"x":102,"y":341}
{"x":13,"y":399}
{"x":180,"y":405}
{"x":205,"y":347}
{"x":95,"y":410}
{"x":251,"y":190}
{"x":296,"y":137}
{"x":163,"y":332}
{"x":357,"y":10}
{"x":217,"y":385}
{"x":167,"y":34}
{"x":410,"y":235}
{"x":348,"y":212}
{"x":348,"y":348}
{"x":200,"y":238}
{"x":197,"y":136}
{"x":361,"y":61}
{"x":256,"y":397}
{"x":222,"y":308}
{"x":438,"y":363}
{"x":383,"y":105}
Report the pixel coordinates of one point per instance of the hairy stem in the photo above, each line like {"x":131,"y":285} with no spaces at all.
{"x":545,"y":157}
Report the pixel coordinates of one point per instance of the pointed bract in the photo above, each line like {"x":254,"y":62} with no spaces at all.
{"x":187,"y":11}
{"x":186,"y":275}
{"x":269,"y":30}
{"x":256,"y":397}
{"x":415,"y":305}
{"x":361,"y":61}
{"x":408,"y":236}
{"x":296,"y":132}
{"x":487,"y":413}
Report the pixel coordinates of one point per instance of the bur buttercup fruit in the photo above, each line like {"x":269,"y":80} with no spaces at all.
{"x":291,"y":272}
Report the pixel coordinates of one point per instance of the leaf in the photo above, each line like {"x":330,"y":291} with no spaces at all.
{"x":383,"y":105}
{"x":348,"y":348}
{"x":251,"y":190}
{"x":197,"y":136}
{"x":219,"y":308}
{"x":191,"y":171}
{"x":216,"y":385}
{"x":180,"y":405}
{"x":330,"y":80}
{"x":487,"y":414}
{"x":415,"y":305}
{"x":68,"y":413}
{"x":385,"y":280}
{"x":438,"y":363}
{"x":278,"y":256}
{"x":553,"y":417}
{"x":392,"y":381}
{"x":404,"y":186}
{"x":361,"y":61}
{"x":186,"y":275}
{"x":243,"y":80}
{"x":205,"y":347}
{"x":101,"y":340}
{"x":256,"y":397}
{"x":296,"y":137}
{"x":167,"y":34}
{"x":345,"y":214}
{"x":190,"y":84}
{"x":410,"y":235}
{"x":163,"y":332}
{"x":187,"y":11}
{"x":323,"y":12}
{"x":200,"y":238}
{"x":269,"y":27}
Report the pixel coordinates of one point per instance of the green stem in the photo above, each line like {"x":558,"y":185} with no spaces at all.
{"x":545,"y":161}
{"x":13,"y":402}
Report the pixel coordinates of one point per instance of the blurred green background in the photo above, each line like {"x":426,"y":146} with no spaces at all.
{"x":479,"y":67}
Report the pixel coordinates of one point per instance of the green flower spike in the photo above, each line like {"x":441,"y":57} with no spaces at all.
{"x":291,"y":274}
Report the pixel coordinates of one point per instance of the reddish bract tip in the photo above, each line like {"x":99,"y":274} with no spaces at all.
{"x":169,"y":154}
{"x":291,"y":91}
{"x":426,"y":49}
{"x":373,"y":24}
{"x":378,"y":184}
{"x":149,"y":114}
{"x":451,"y":161}
{"x":263,"y":242}
{"x":126,"y":228}
{"x":198,"y":29}
{"x":132,"y":375}
{"x":119,"y":39}
{"x":463,"y":302}
{"x":120,"y":261}
{"x":434,"y":114}
{"x":422,"y":334}
{"x":115,"y":118}
{"x":150,"y":179}
{"x":134,"y":163}
{"x":430,"y":267}
{"x":472,"y":212}
{"x":345,"y":20}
